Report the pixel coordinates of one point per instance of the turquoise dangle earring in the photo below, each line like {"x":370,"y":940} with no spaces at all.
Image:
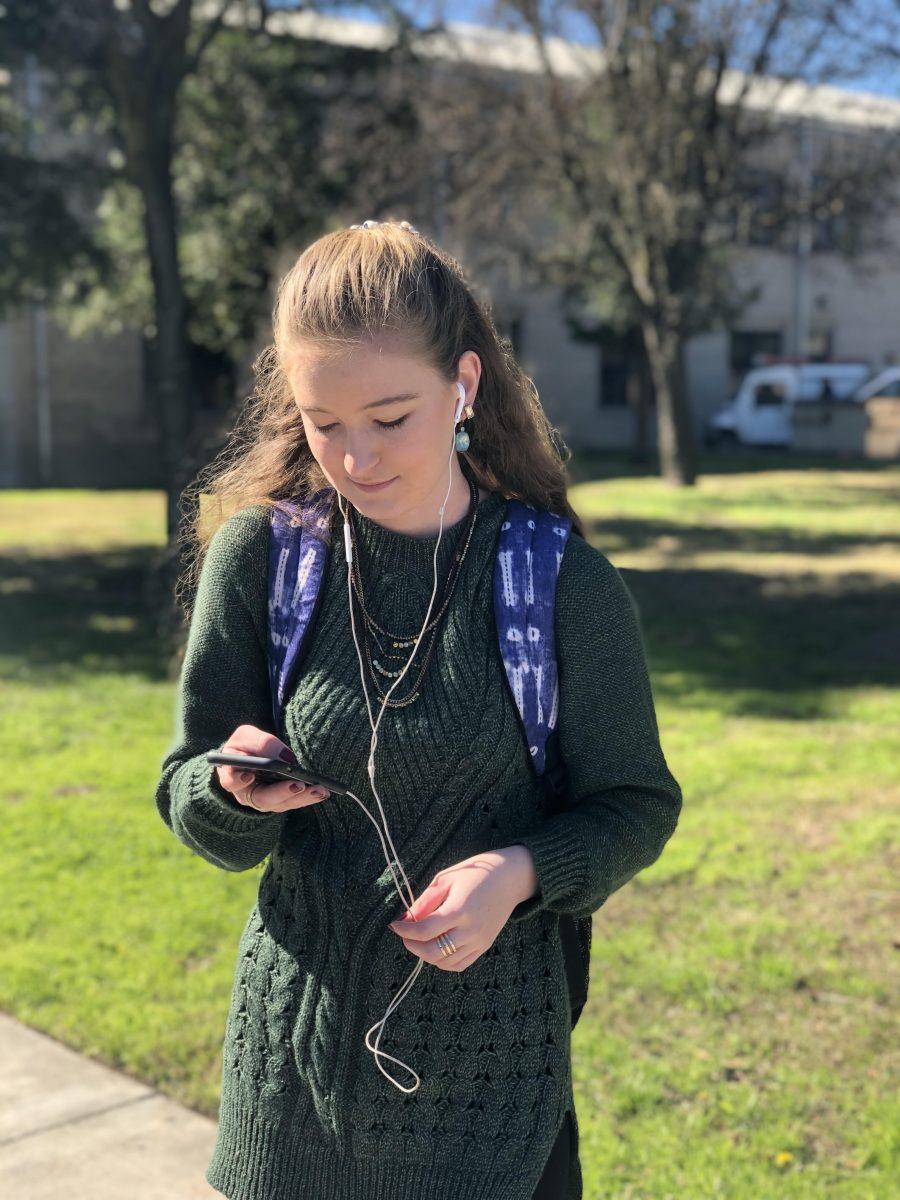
{"x":462,"y":435}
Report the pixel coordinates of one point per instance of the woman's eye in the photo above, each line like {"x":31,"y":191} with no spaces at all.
{"x":384,"y":424}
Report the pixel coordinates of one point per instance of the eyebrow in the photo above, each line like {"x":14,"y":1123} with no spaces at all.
{"x":372,"y":404}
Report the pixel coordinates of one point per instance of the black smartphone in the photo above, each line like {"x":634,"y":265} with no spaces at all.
{"x":273,"y":770}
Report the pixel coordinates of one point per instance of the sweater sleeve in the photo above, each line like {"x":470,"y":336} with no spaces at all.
{"x":224,"y":683}
{"x":626,"y":800}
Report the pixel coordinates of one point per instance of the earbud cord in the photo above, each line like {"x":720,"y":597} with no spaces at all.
{"x":392,"y":858}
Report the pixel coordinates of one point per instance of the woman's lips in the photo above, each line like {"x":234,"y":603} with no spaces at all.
{"x":372,"y":487}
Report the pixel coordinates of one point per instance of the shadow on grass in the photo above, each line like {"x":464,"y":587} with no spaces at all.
{"x":634,"y":534}
{"x":64,"y":616}
{"x":586,"y":465}
{"x":767,"y":643}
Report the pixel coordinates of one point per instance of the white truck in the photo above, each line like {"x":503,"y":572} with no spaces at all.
{"x":760,"y":412}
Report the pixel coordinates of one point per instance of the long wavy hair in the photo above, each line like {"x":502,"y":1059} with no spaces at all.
{"x":355,"y":286}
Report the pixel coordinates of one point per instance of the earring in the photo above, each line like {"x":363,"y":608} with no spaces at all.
{"x":462,"y":437}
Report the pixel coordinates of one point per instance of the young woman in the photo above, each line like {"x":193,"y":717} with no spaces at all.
{"x":378,"y":345}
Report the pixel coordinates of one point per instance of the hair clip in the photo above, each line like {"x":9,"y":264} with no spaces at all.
{"x":371,"y":224}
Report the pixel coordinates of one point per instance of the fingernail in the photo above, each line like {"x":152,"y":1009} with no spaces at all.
{"x":287,"y":755}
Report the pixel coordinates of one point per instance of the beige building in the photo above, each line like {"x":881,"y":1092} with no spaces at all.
{"x":75,"y":413}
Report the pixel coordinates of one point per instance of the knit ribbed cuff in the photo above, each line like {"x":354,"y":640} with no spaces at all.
{"x":561,"y":865}
{"x":219,"y":805}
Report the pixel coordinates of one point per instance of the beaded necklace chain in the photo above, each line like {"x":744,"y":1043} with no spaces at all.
{"x":399,"y":641}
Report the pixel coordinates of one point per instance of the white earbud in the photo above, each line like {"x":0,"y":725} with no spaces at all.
{"x":393,"y":858}
{"x":462,"y":401}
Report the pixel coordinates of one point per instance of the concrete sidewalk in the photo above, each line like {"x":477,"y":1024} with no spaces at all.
{"x":74,"y":1129}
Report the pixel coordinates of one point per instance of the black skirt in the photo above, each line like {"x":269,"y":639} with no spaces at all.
{"x":561,"y":1178}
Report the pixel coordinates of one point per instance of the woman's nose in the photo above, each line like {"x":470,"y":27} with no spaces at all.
{"x":359,"y":463}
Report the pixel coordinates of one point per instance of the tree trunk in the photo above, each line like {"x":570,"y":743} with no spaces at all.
{"x":639,"y":389}
{"x":173,"y":403}
{"x":677,"y":445}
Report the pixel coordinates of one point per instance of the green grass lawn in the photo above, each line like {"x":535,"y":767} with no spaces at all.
{"x":738,"y":1039}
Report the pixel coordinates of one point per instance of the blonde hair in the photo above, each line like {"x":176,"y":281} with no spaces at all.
{"x":386,"y":283}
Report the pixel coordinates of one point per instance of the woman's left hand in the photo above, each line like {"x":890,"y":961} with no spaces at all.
{"x":471,"y":901}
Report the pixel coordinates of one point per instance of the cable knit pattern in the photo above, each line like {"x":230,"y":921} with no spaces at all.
{"x":305,"y":1112}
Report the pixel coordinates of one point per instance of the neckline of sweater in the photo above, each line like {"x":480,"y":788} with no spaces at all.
{"x":388,"y":546}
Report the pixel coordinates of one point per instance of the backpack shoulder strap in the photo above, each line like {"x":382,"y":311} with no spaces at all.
{"x":529,"y":553}
{"x":298,"y":556}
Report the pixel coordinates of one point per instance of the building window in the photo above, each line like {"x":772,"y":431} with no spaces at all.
{"x":613,"y":380}
{"x":839,"y":227}
{"x":757,"y":218}
{"x":749,"y":347}
{"x":511,"y":327}
{"x":515,"y":335}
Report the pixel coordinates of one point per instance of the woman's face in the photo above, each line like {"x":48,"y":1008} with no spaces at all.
{"x":374,"y":414}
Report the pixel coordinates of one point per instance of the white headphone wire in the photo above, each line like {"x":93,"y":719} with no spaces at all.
{"x":392,"y":858}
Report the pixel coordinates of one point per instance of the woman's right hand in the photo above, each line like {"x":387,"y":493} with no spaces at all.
{"x":271,"y":797}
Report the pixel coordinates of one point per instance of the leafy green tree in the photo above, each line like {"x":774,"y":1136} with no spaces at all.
{"x":171,"y":157}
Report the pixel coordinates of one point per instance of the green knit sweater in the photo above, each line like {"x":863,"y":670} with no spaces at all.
{"x":305,"y":1112}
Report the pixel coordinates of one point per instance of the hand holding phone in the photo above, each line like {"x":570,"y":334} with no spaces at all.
{"x":263,"y":774}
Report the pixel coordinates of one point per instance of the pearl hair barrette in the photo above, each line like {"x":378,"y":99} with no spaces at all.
{"x":370,"y":224}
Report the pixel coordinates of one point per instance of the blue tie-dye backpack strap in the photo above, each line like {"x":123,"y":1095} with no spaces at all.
{"x":528,"y":556}
{"x":298,"y":555}
{"x":529,"y":553}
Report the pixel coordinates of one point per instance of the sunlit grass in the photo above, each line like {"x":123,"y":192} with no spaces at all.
{"x":738,"y":1039}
